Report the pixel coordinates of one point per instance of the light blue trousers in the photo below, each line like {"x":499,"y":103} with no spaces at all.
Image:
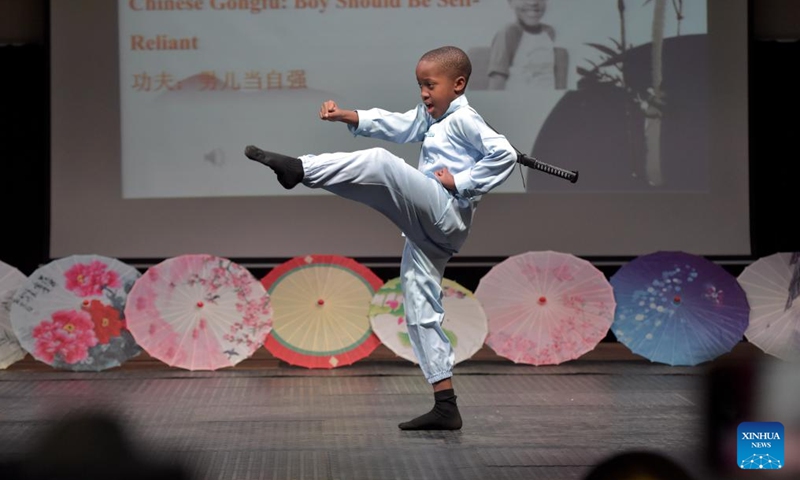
{"x":434,"y":221}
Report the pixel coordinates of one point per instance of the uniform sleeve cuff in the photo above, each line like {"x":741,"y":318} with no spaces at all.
{"x":464,"y":183}
{"x":364,"y":123}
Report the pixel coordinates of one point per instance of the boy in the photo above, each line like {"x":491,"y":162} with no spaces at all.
{"x":460,"y":160}
{"x":523,"y":54}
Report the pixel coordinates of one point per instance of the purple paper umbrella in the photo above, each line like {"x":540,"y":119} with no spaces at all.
{"x":677,"y":308}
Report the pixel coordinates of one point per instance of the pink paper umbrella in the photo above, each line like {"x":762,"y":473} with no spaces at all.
{"x":545,"y":308}
{"x":199,"y":312}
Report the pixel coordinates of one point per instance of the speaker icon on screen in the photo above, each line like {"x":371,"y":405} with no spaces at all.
{"x":215,"y":157}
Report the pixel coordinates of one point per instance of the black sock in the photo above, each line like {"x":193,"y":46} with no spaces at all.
{"x":289,"y":169}
{"x":444,"y":415}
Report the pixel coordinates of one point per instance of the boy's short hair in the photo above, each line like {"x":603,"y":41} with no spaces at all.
{"x":453,"y":59}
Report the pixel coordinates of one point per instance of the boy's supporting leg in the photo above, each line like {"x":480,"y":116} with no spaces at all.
{"x":443,"y":416}
{"x":421,"y":279}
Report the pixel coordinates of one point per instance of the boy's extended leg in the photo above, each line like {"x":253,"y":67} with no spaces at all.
{"x":289,"y":170}
{"x":418,"y":204}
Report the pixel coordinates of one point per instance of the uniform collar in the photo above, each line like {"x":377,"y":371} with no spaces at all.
{"x":457,"y":103}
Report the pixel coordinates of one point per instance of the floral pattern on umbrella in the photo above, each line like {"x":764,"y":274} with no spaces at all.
{"x":770,"y":285}
{"x":678,"y":308}
{"x":10,"y":349}
{"x":464,"y":324}
{"x":70,"y":313}
{"x":545,"y":308}
{"x":199,"y":312}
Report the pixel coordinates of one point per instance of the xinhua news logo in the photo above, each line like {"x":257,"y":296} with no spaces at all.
{"x":760,"y":446}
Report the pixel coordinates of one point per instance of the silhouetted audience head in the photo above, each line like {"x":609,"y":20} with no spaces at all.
{"x":638,"y":465}
{"x":88,"y":446}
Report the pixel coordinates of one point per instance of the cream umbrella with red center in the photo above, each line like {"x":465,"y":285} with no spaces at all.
{"x":321,"y":307}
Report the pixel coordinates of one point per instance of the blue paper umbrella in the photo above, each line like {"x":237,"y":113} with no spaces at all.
{"x":677,"y":308}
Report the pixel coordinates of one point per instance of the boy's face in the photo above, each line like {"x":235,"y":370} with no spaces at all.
{"x":438,"y":87}
{"x":529,"y":12}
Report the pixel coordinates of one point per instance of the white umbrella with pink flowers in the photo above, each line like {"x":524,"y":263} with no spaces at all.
{"x":199,"y":312}
{"x":545,"y":308}
{"x":69,"y":313}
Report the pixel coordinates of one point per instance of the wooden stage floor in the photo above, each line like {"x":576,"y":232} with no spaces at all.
{"x":264,"y":419}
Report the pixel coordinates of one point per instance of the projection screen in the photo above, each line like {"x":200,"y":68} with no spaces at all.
{"x":153,"y":102}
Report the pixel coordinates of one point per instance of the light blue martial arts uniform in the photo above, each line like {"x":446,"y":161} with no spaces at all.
{"x":435,"y":221}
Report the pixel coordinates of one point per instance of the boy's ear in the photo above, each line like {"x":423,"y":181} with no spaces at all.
{"x":460,"y":84}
